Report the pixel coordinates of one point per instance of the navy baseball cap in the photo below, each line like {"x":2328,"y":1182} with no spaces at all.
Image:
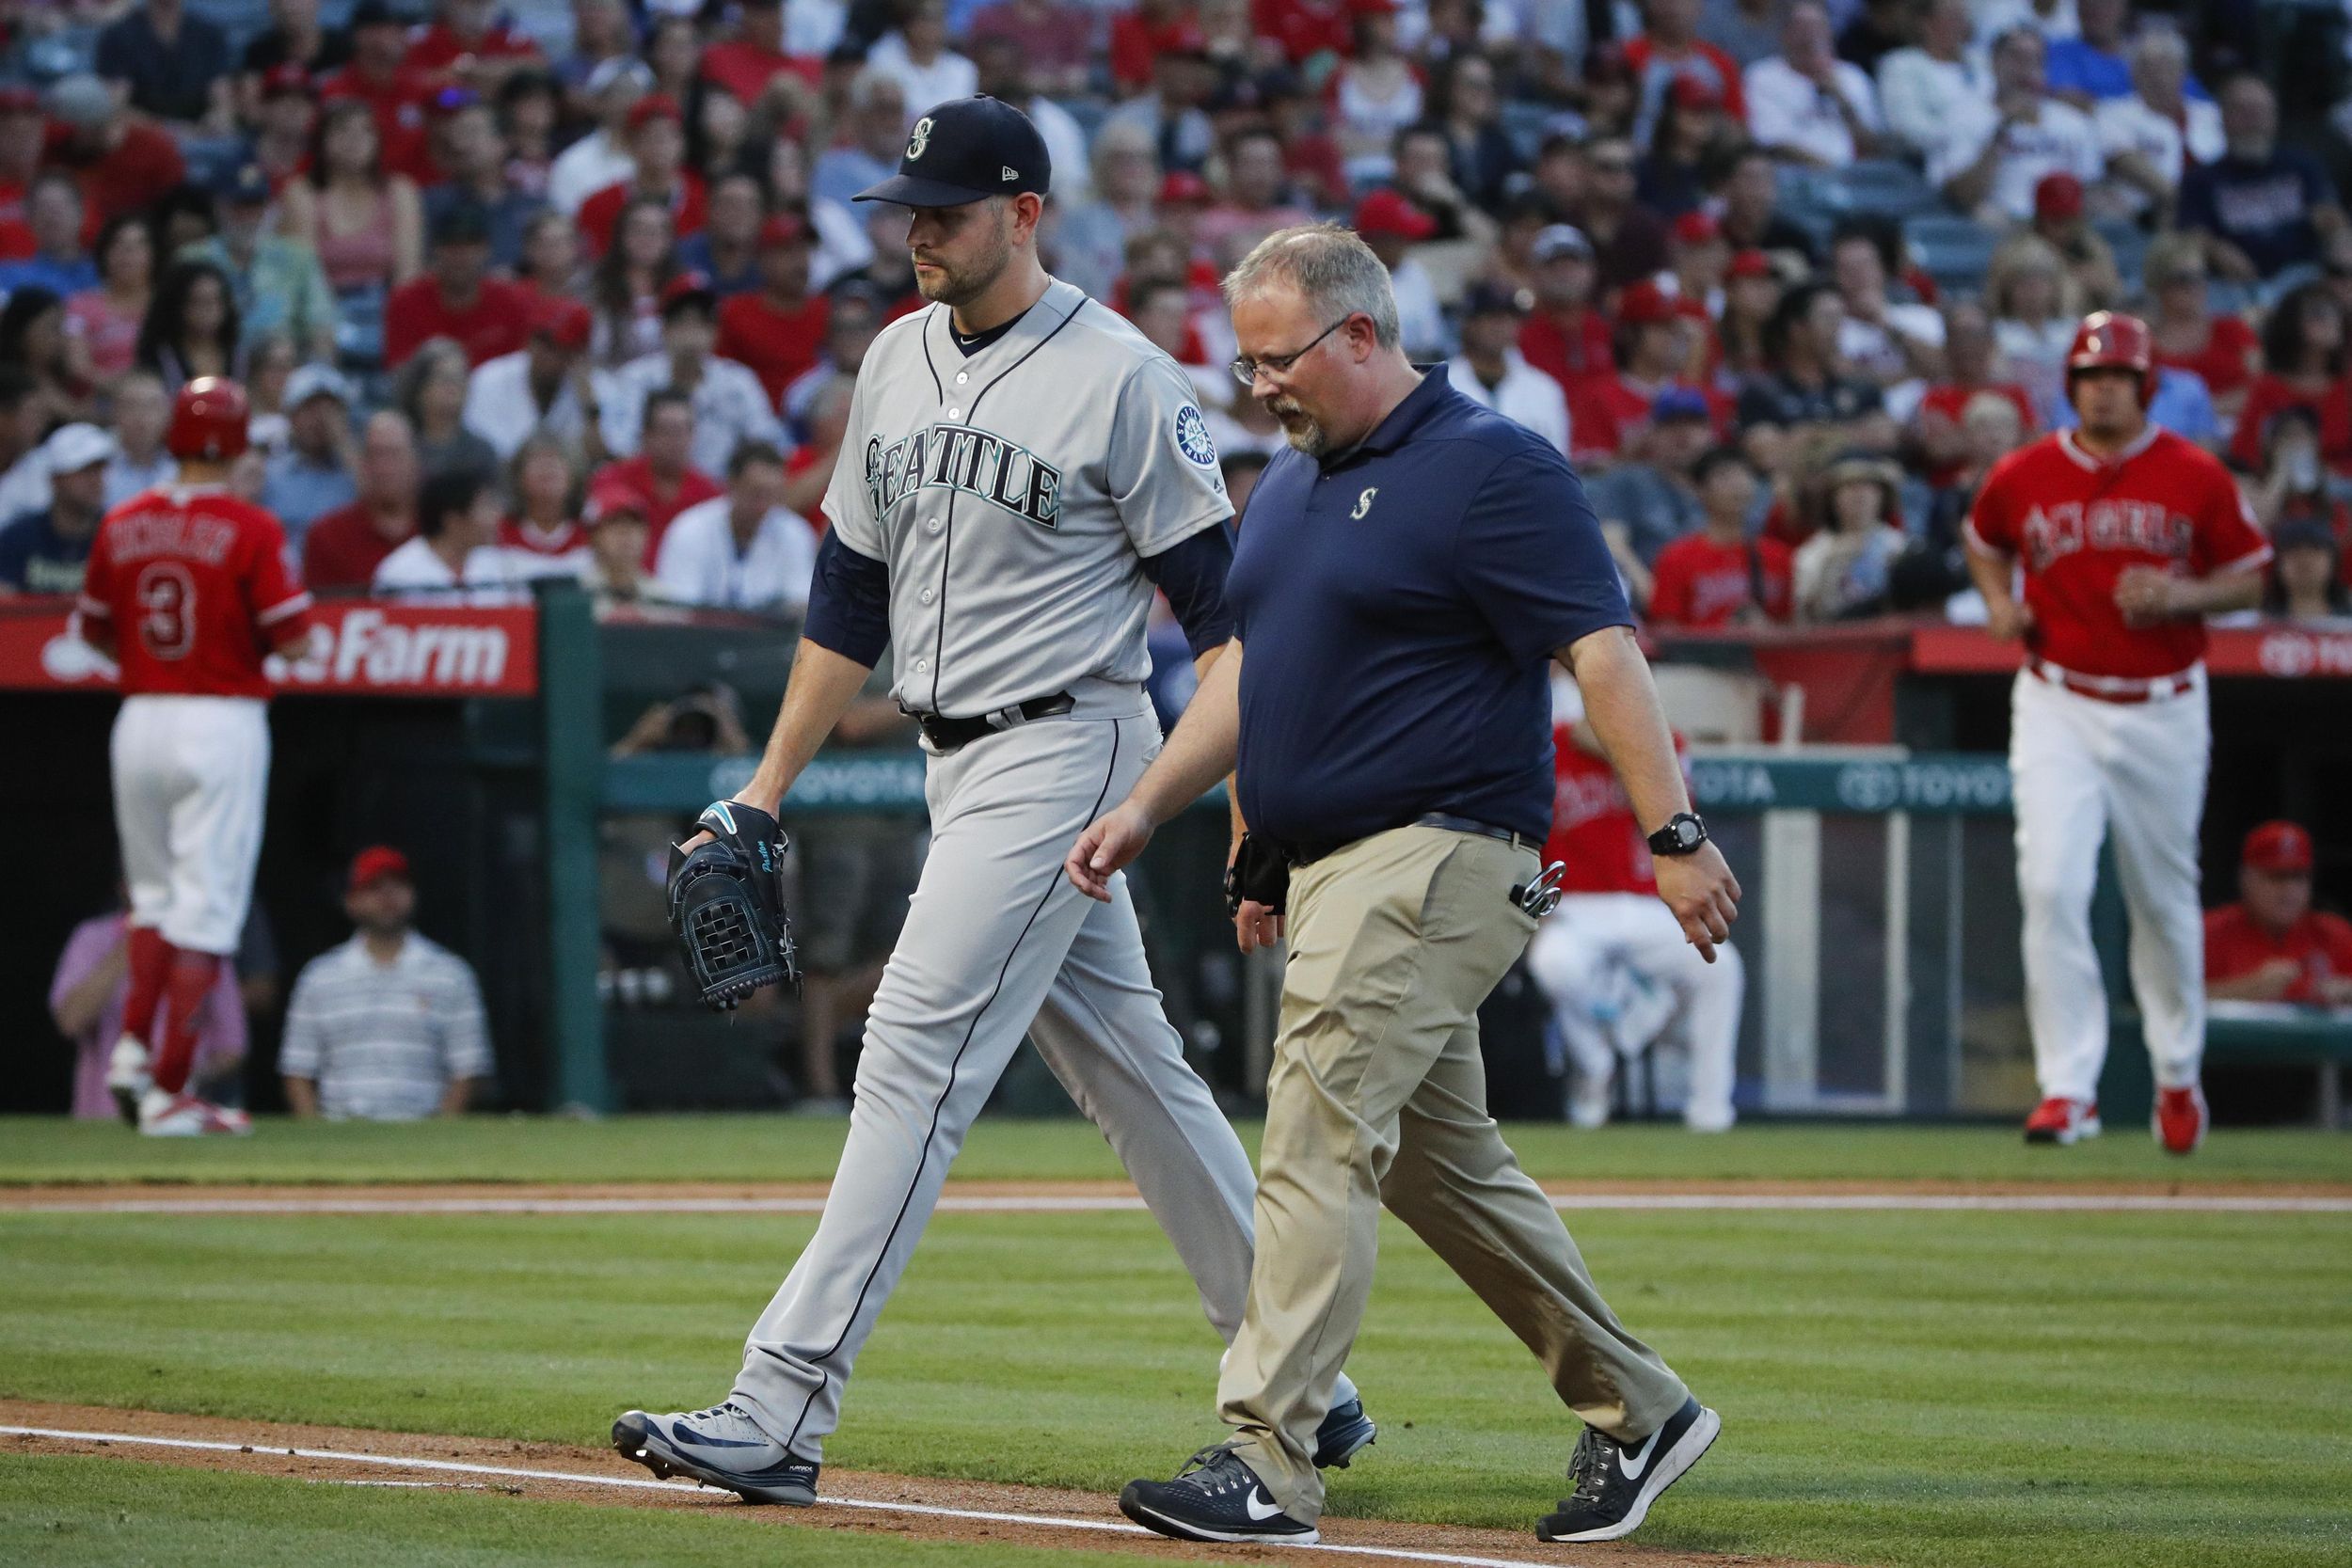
{"x":245,"y":186}
{"x":1679,"y":402}
{"x":967,"y":149}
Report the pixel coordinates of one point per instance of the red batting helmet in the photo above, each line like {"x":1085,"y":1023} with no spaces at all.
{"x":208,"y":421}
{"x":2110,"y":340}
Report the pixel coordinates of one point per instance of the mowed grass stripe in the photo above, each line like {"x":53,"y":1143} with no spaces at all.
{"x":1905,"y":1389}
{"x":781,"y":1148}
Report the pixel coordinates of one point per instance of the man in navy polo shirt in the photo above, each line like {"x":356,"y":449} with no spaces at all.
{"x":1405,"y":575}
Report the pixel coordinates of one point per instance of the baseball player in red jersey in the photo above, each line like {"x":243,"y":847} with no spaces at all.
{"x":188,"y":590}
{"x":2127,"y":537}
{"x":1611,"y":959}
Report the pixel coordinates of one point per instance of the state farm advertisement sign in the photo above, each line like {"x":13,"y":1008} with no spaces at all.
{"x":360,"y":649}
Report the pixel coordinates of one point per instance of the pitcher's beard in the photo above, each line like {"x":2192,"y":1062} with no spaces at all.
{"x":957,"y":288}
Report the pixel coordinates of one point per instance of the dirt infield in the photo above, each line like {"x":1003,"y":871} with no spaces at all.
{"x":1094,"y":1197}
{"x":903,"y":1506}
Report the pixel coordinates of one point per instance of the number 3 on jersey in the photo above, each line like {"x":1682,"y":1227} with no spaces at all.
{"x":167,"y":601}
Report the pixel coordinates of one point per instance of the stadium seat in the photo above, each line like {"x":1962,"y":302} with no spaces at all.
{"x":1952,"y":249}
{"x":1874,"y":188}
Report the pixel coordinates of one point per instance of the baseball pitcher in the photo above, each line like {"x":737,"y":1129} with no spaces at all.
{"x":2127,"y":537}
{"x":188,"y":590}
{"x":1021,"y":467}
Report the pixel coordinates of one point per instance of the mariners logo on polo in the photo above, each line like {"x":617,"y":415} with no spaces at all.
{"x":2077,"y":523}
{"x":1014,"y":495}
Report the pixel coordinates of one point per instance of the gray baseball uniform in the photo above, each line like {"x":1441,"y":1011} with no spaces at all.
{"x":1014,"y":495}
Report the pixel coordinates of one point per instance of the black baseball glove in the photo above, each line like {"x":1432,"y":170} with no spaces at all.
{"x":726,"y":905}
{"x":1259,"y":874}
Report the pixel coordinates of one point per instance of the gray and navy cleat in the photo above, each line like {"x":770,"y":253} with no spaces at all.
{"x":720,"y":1446}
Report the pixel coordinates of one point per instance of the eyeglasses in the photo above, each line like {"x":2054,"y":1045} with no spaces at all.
{"x":1245,"y":370}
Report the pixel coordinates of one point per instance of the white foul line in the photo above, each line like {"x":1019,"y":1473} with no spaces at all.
{"x":640,"y":1484}
{"x":1093,"y":1203}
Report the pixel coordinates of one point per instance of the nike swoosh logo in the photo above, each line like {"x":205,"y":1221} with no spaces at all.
{"x":1250,"y":1504}
{"x":1634,"y":1464}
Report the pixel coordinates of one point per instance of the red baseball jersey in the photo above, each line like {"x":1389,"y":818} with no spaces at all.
{"x":497,"y":321}
{"x":195,"y":586}
{"x":1594,"y":833}
{"x":2076,"y":523}
{"x":2320,"y":944}
{"x":1697,"y":582}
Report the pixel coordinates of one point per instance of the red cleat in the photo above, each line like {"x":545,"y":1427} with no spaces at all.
{"x":2060,"y":1121}
{"x":2180,"y":1120}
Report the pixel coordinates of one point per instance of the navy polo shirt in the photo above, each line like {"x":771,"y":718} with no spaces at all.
{"x":1397,"y":604}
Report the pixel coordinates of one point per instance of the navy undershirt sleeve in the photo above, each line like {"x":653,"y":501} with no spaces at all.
{"x":1192,"y":574}
{"x":848,"y":602}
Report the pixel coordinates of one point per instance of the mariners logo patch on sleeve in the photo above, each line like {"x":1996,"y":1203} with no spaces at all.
{"x":1192,"y":436}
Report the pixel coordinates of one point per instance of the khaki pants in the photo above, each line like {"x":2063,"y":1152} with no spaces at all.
{"x":1377,"y":1094}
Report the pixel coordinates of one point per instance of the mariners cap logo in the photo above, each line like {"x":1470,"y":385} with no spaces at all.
{"x":921,"y":139}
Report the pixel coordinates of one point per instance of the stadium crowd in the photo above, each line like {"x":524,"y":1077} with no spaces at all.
{"x":577,"y":286}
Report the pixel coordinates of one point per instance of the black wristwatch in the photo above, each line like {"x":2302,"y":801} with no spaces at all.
{"x":1681,"y":835}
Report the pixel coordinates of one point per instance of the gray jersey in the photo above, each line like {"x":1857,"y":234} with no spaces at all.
{"x":1013,"y":496}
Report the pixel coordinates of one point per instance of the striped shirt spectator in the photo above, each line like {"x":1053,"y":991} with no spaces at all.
{"x":390,"y":1025}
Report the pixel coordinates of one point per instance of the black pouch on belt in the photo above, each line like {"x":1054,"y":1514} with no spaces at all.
{"x":1258,"y":874}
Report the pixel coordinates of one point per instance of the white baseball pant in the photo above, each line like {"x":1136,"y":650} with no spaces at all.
{"x":2083,"y":770}
{"x":998,"y":944}
{"x":1578,"y":956}
{"x":191,"y":775}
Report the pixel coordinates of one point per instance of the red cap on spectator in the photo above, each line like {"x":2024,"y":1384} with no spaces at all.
{"x":1372,"y":7}
{"x":783,"y":229}
{"x":1386,"y":212}
{"x":287,"y":78}
{"x":2282,"y":848}
{"x":1181,"y":186}
{"x":1689,"y":92}
{"x":1643,"y":304}
{"x":653,"y":106}
{"x":1750,"y":264}
{"x":1184,"y":38}
{"x":564,"y":322}
{"x":20,"y":101}
{"x":2058,"y":196}
{"x":687,"y":287}
{"x":373,"y":865}
{"x":610,"y":497}
{"x":1697,"y":227}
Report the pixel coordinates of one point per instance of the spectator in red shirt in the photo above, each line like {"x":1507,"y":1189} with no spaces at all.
{"x":2271,"y":945}
{"x":1139,"y":35}
{"x":1720,"y":576}
{"x":346,"y":546}
{"x":1671,"y":50}
{"x":1565,"y":336}
{"x":748,"y":64}
{"x":467,"y":46}
{"x":2189,"y":337}
{"x":2304,"y":361}
{"x":656,"y":140}
{"x":1304,"y":28}
{"x":124,"y":165}
{"x":1652,"y":353}
{"x":456,"y":298}
{"x":780,"y":330}
{"x":662,"y":471}
{"x":1968,"y":368}
{"x":377,"y":76}
{"x":1055,"y":40}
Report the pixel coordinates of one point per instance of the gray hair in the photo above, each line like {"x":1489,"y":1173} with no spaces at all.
{"x":1331,"y":266}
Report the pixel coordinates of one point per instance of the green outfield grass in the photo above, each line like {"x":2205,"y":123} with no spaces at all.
{"x":102,"y":1513}
{"x":1928,"y":1390}
{"x":783,"y":1148}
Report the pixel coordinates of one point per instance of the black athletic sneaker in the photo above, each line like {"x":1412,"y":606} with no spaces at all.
{"x":1213,"y":1498}
{"x":1615,"y":1482}
{"x":1346,"y":1432}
